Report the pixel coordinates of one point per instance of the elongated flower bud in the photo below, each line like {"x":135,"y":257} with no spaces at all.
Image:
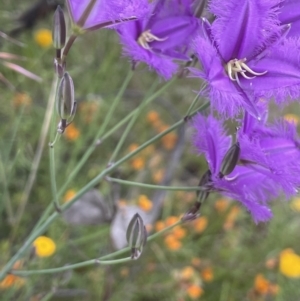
{"x":230,"y":160}
{"x":59,"y":29}
{"x":136,"y":236}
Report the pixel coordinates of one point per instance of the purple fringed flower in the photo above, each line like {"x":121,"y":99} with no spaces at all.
{"x":289,"y":13}
{"x":244,"y":56}
{"x":103,"y":13}
{"x":258,"y":179}
{"x":162,"y":37}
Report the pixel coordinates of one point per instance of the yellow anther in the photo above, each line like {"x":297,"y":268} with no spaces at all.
{"x":235,"y":67}
{"x":147,"y":37}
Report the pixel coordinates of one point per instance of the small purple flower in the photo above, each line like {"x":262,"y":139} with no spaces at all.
{"x":289,"y":13}
{"x":244,"y":56}
{"x":103,"y":13}
{"x":161,"y":37}
{"x":257,"y":178}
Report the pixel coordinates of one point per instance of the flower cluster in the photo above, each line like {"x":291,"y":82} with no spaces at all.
{"x":248,"y":54}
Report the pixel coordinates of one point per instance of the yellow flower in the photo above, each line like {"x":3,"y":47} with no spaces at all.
{"x":292,"y":118}
{"x":207,"y":274}
{"x":144,"y":203}
{"x":289,"y":263}
{"x":69,"y":195}
{"x":158,"y":175}
{"x":194,"y":291}
{"x":44,"y":246}
{"x":89,"y":110}
{"x":172,"y":242}
{"x":72,"y":132}
{"x":200,"y":224}
{"x":132,"y":147}
{"x":261,"y":284}
{"x":43,"y":37}
{"x":295,"y":204}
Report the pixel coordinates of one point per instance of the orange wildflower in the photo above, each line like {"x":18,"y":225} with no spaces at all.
{"x":179,"y":232}
{"x":158,"y":175}
{"x":69,"y":195}
{"x":21,"y":99}
{"x":12,"y":280}
{"x":271,"y":263}
{"x":124,"y":272}
{"x":169,"y":141}
{"x":221,"y":205}
{"x":261,"y":284}
{"x":89,"y":109}
{"x":159,"y":225}
{"x":144,"y":203}
{"x":187,"y":273}
{"x":171,"y":220}
{"x":207,"y":274}
{"x":231,"y":217}
{"x":137,"y":163}
{"x":200,"y":224}
{"x":152,"y":116}
{"x":289,"y":263}
{"x":132,"y":147}
{"x":196,"y":261}
{"x":72,"y":132}
{"x":172,"y":242}
{"x":43,"y":37}
{"x":274,"y":289}
{"x":194,"y":291}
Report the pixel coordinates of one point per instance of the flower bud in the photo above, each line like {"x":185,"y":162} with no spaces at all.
{"x":59,"y":29}
{"x":230,"y":160}
{"x":136,"y":236}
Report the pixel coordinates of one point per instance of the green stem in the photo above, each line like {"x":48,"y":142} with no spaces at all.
{"x":96,"y":261}
{"x":86,"y":188}
{"x":157,"y":187}
{"x":72,"y":266}
{"x":191,"y":107}
{"x":129,"y":126}
{"x":53,"y":180}
{"x":89,"y":151}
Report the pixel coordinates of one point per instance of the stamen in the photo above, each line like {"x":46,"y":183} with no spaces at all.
{"x":147,"y":37}
{"x":235,"y":67}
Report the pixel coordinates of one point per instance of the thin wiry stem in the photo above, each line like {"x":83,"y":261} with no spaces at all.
{"x":37,"y":157}
{"x":87,"y":187}
{"x":156,"y":187}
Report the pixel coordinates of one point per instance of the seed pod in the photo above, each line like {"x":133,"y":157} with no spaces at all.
{"x":230,"y":160}
{"x":65,"y":102}
{"x":59,"y":29}
{"x":136,"y":236}
{"x":206,"y":178}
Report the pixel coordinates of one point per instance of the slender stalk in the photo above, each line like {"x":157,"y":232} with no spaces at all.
{"x":90,"y":150}
{"x":72,"y":267}
{"x":86,"y":188}
{"x":96,"y":261}
{"x":53,"y":179}
{"x":6,"y":197}
{"x":156,"y":187}
{"x":37,"y":157}
{"x":191,"y":107}
{"x":129,"y":127}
